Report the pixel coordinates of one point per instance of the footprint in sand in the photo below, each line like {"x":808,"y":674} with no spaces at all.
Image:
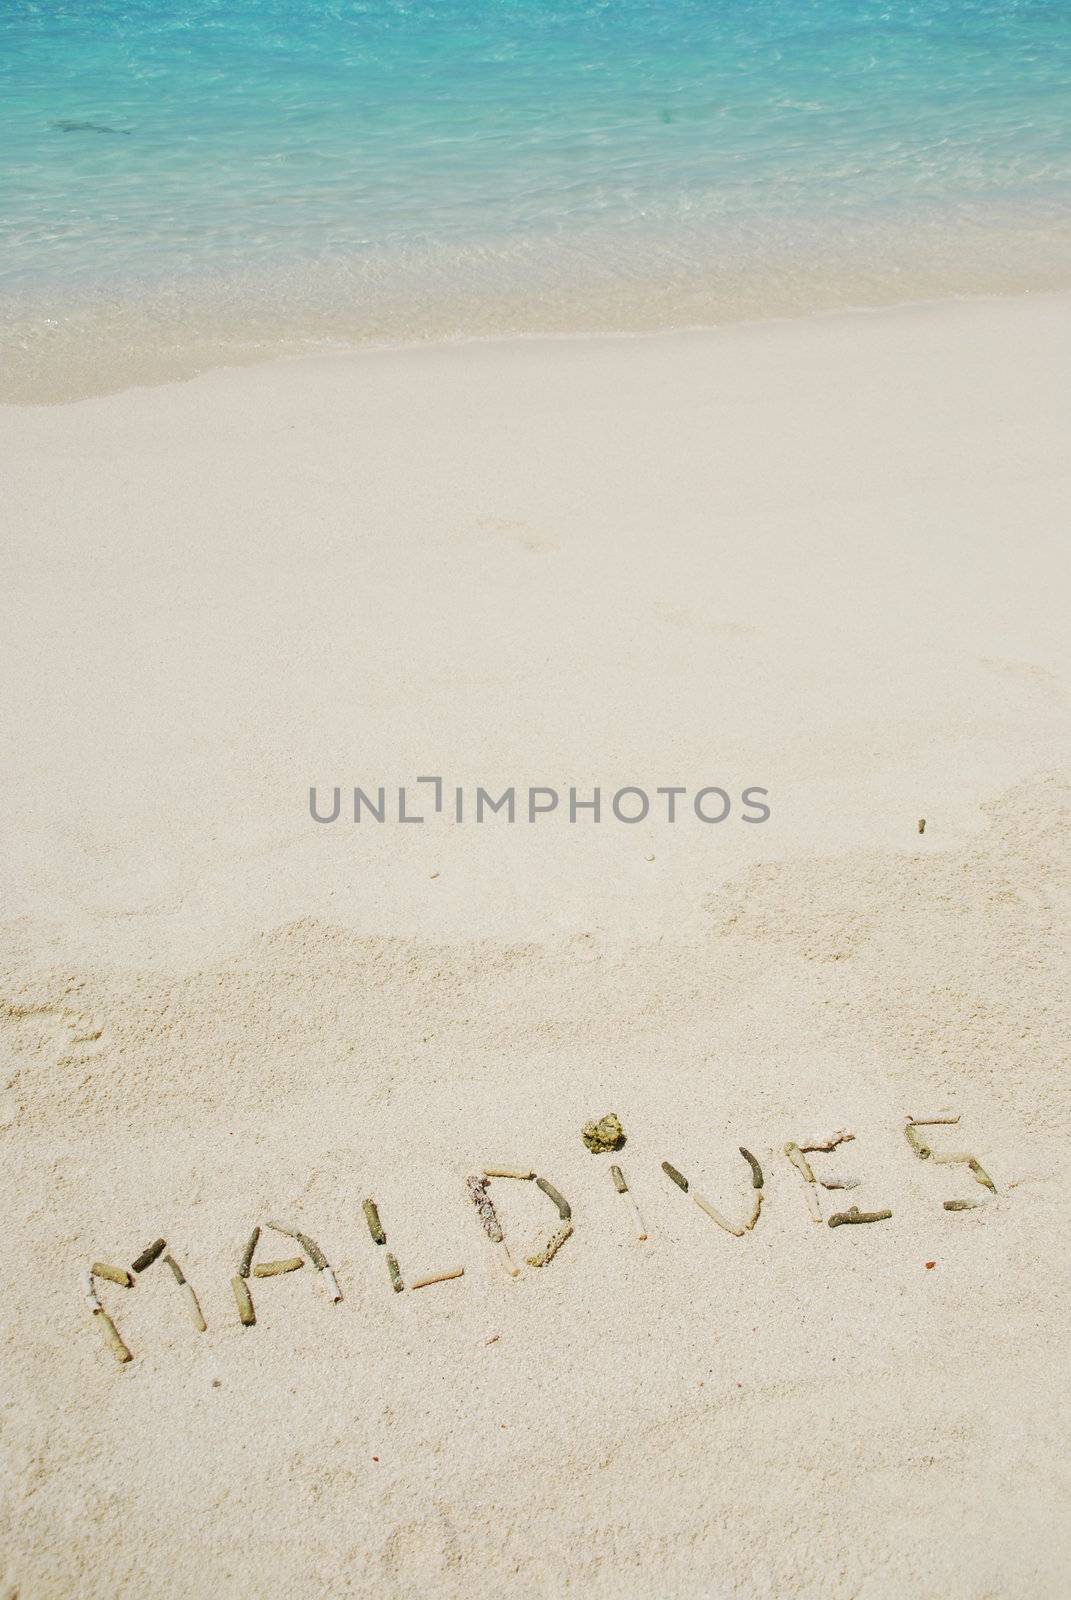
{"x":520,"y":532}
{"x":86,"y":1039}
{"x":423,"y":1552}
{"x":57,"y":1033}
{"x":1026,"y":671}
{"x":585,"y":947}
{"x":684,"y":617}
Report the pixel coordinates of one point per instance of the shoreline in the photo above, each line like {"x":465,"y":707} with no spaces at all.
{"x":142,"y":341}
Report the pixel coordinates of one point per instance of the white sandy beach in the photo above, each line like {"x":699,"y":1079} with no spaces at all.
{"x":826,"y":557}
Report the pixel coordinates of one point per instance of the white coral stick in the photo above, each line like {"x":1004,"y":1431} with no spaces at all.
{"x":716,"y":1216}
{"x":799,"y":1161}
{"x":622,"y":1188}
{"x":193,"y":1305}
{"x":437,"y":1277}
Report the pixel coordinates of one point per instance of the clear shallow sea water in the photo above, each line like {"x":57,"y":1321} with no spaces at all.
{"x":179,"y":177}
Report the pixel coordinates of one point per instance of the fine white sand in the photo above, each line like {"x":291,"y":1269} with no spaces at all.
{"x":828,"y":558}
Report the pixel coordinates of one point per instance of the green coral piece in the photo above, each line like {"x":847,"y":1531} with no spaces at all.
{"x":607,"y":1134}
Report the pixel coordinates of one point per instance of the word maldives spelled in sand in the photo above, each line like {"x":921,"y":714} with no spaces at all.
{"x":796,"y":1151}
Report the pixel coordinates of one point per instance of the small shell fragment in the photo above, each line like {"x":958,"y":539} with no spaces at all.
{"x":272,"y":1269}
{"x":120,"y":1275}
{"x":149,"y":1255}
{"x":716,"y":1216}
{"x":111,"y":1336}
{"x":508,"y":1172}
{"x":248,"y":1253}
{"x":552,"y":1246}
{"x":564,"y":1209}
{"x":375,"y":1227}
{"x":246,"y":1315}
{"x":395,"y":1273}
{"x":437,"y":1277}
{"x":827,"y":1141}
{"x":676,"y":1177}
{"x":334,"y":1293}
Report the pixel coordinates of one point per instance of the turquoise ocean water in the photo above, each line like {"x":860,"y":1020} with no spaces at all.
{"x":249,"y":173}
